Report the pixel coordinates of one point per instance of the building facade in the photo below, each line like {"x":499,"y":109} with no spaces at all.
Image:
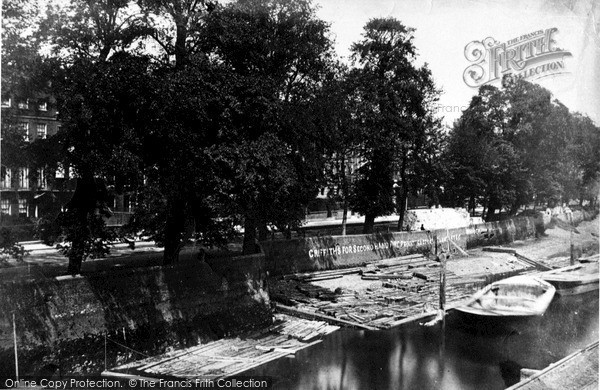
{"x":28,"y":192}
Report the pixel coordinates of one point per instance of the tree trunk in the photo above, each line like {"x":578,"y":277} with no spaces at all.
{"x":180,"y":49}
{"x":344,"y":216}
{"x":369,"y":223}
{"x":80,"y":206}
{"x":249,"y":245}
{"x":174,"y":227}
{"x":402,"y":207}
{"x":472,"y":205}
{"x":78,"y":241}
{"x":263,"y":232}
{"x":344,"y":194}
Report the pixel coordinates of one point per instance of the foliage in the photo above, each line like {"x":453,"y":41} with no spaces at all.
{"x":514,"y":146}
{"x":9,"y":246}
{"x":394,"y":113}
{"x":277,"y":53}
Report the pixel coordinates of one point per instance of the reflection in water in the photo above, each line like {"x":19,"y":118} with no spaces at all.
{"x":469,"y":355}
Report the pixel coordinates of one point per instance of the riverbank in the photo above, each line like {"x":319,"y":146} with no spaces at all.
{"x":386,"y":298}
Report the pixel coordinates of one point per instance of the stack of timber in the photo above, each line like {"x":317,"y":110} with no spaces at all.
{"x":232,"y":356}
{"x":402,"y":289}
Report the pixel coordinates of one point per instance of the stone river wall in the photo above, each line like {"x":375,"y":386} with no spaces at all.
{"x":333,"y":252}
{"x":147,"y":309}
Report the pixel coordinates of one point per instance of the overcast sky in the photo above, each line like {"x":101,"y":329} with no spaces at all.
{"x":445,"y":27}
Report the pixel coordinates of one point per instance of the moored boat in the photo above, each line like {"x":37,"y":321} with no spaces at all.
{"x":518,"y":296}
{"x":574,"y":279}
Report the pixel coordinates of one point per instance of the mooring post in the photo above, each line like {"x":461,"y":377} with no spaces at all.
{"x":441,"y":257}
{"x":105,"y":366}
{"x":572,"y":262}
{"x":16,"y":353}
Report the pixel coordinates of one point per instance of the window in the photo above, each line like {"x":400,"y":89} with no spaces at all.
{"x":42,"y":130}
{"x":5,"y":180}
{"x":24,"y":178}
{"x":43,"y":106}
{"x":6,"y":102}
{"x":42,"y":182}
{"x":23,"y":207}
{"x":23,"y":104}
{"x":60,"y":172}
{"x":24,"y":127}
{"x":5,"y":206}
{"x":129,"y":203}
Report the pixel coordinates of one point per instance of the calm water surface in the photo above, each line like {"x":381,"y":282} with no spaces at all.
{"x":467,"y":355}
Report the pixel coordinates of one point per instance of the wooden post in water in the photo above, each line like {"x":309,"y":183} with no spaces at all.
{"x":105,"y":365}
{"x":16,"y":353}
{"x":441,"y":257}
{"x":572,"y":260}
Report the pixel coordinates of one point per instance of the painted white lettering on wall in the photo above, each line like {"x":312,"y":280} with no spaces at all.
{"x":340,"y":250}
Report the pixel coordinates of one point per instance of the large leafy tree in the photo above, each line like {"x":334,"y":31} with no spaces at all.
{"x":479,"y":157}
{"x":98,"y":139}
{"x":516,"y":145}
{"x":277,"y":52}
{"x":91,"y":80}
{"x":585,"y":150}
{"x":395,"y":114}
{"x":175,"y":25}
{"x":180,"y":122}
{"x":333,"y":117}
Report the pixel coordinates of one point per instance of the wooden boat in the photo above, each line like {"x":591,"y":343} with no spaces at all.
{"x":518,"y":296}
{"x":574,"y":279}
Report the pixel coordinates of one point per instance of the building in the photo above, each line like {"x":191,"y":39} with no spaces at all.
{"x":27,"y":192}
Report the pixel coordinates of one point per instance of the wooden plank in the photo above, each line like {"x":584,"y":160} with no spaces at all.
{"x":299,"y":312}
{"x":345,"y":271}
{"x":498,"y":249}
{"x":536,"y":264}
{"x":265,"y":359}
{"x":276,"y":349}
{"x":386,"y":276}
{"x":322,"y":277}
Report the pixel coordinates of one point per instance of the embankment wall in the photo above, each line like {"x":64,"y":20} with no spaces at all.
{"x":62,"y":321}
{"x":333,"y":252}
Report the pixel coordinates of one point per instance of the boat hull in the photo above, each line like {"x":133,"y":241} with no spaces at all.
{"x":519,"y":296}
{"x":574,"y":280}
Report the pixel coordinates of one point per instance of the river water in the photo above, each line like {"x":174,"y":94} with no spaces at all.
{"x":467,"y":354}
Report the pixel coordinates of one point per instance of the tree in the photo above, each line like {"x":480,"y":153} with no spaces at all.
{"x":395,"y":115}
{"x":483,"y":163}
{"x":585,"y":149}
{"x":340,"y":137}
{"x":98,"y":139}
{"x":178,"y":38}
{"x":180,"y":121}
{"x":89,"y":75}
{"x":278,"y":52}
{"x":514,"y":146}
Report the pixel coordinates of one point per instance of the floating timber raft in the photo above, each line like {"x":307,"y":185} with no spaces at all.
{"x":231,"y":356}
{"x":578,"y":371}
{"x":403,"y":289}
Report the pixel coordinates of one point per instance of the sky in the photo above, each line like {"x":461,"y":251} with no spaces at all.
{"x":445,"y":27}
